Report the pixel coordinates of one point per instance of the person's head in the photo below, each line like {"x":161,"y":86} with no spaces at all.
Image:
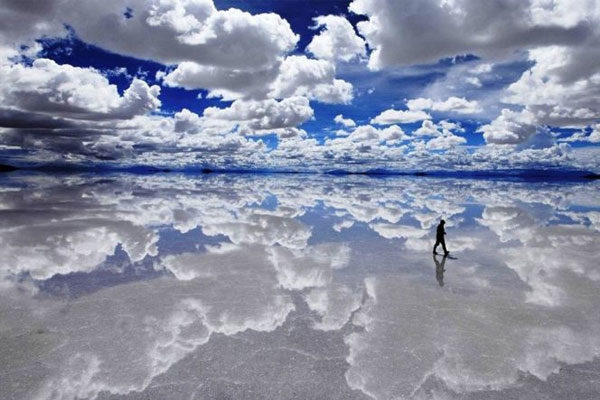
{"x":442,"y":222}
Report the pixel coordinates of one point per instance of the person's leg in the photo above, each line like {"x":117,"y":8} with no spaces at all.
{"x":437,"y":242}
{"x":444,"y":247}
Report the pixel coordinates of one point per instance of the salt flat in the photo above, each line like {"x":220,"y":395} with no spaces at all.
{"x":217,"y":286}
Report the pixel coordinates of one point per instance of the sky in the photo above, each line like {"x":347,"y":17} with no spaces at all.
{"x":296,"y":85}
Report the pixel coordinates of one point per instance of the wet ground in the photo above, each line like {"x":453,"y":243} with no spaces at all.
{"x":297,"y":287}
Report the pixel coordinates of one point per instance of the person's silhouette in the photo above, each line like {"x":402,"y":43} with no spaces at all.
{"x":439,"y":238}
{"x":439,"y":269}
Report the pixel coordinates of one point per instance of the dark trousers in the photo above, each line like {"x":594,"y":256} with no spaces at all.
{"x":438,"y":242}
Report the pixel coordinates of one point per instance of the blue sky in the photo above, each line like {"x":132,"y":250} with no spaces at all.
{"x":301,"y":85}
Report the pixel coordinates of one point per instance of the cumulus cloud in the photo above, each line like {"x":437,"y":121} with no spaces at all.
{"x":23,"y":22}
{"x":427,"y":128}
{"x":561,"y":89}
{"x":264,"y":115}
{"x":426,"y":31}
{"x":458,"y":105}
{"x":511,"y":127}
{"x":157,"y":140}
{"x":554,"y":156}
{"x":315,"y":79}
{"x":75,"y":111}
{"x":69,"y":110}
{"x":337,"y":41}
{"x":582,"y":136}
{"x":347,"y":122}
{"x":221,"y":82}
{"x":391,"y":116}
{"x":482,"y":68}
{"x":445,"y":142}
{"x":367,"y":135}
{"x":72,"y":92}
{"x":169,"y":32}
{"x":231,"y":53}
{"x":174,"y":31}
{"x":293,"y":76}
{"x":417,"y":111}
{"x":442,"y":134}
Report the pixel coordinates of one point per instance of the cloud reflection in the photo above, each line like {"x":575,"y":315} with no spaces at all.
{"x":343,"y":257}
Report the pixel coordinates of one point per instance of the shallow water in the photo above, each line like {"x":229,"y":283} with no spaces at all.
{"x":297,"y":287}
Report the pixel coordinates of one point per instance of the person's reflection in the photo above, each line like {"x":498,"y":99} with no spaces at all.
{"x":439,"y":269}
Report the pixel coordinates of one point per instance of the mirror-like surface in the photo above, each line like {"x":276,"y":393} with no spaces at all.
{"x":297,"y":287}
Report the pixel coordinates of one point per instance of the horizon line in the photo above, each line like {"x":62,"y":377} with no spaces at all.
{"x":523,"y":173}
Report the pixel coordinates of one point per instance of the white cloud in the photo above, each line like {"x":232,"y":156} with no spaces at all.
{"x":458,"y":105}
{"x":581,"y":136}
{"x":315,"y":79}
{"x":337,"y":41}
{"x":364,"y":134}
{"x":70,"y":111}
{"x":230,"y":84}
{"x":473,"y":80}
{"x":72,"y":92}
{"x":265,"y":114}
{"x":510,"y":157}
{"x":167,"y":31}
{"x":442,"y":134}
{"x":294,"y":76}
{"x":344,"y":224}
{"x":417,"y":110}
{"x":173,"y":31}
{"x":347,"y":122}
{"x":482,"y":68}
{"x":231,"y":53}
{"x":426,"y":31}
{"x":427,"y":128}
{"x":260,"y":229}
{"x":393,"y":134}
{"x":562,"y":88}
{"x":391,"y":116}
{"x":510,"y":127}
{"x":23,"y":22}
{"x":451,"y":126}
{"x":445,"y":142}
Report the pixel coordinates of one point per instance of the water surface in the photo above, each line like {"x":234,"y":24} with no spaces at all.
{"x":297,"y":287}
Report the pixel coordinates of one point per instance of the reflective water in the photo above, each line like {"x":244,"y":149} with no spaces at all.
{"x":297,"y":287}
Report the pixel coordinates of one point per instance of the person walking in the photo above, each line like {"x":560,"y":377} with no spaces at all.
{"x":439,"y":238}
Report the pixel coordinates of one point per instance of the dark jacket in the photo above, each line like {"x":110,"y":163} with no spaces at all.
{"x":440,"y":232}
